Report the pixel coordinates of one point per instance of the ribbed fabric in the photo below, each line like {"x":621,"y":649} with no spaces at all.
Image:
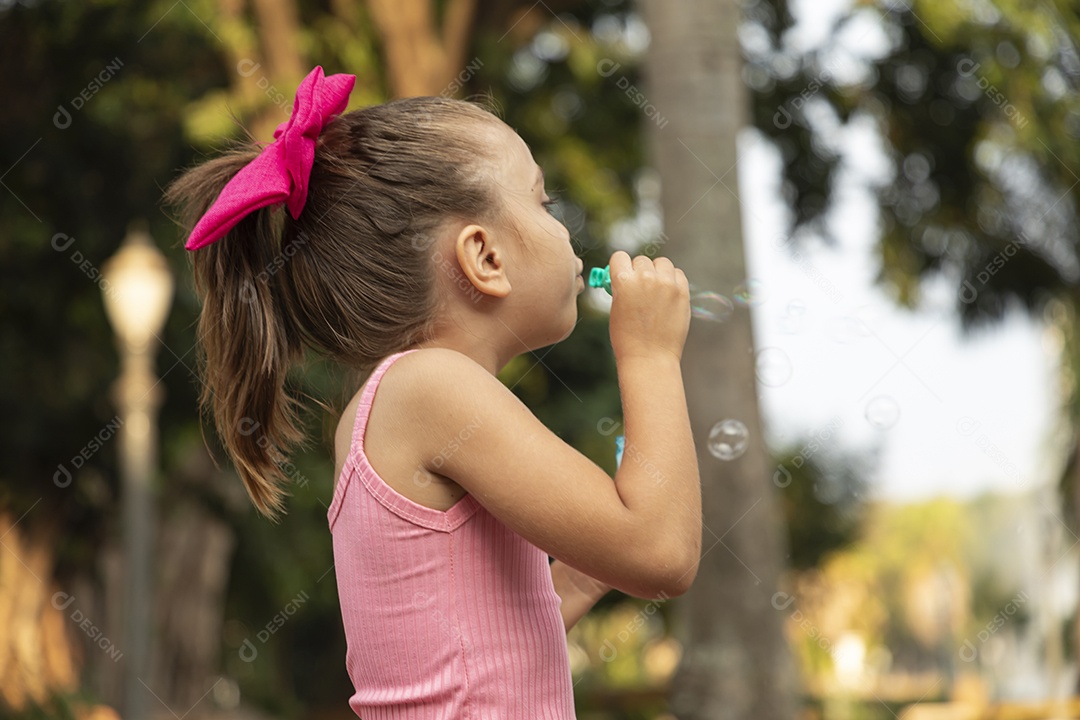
{"x":448,"y":615}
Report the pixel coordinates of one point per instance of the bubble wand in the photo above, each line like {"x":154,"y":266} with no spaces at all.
{"x":706,"y":305}
{"x":601,"y":278}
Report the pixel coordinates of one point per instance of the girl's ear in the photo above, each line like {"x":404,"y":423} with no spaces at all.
{"x":482,"y":261}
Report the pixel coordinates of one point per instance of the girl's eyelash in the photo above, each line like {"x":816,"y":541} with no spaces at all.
{"x":551,"y":202}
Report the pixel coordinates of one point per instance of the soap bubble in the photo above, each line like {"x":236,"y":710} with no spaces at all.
{"x":882,"y":412}
{"x":711,"y":306}
{"x":791,"y":321}
{"x":773,"y":367}
{"x":728,"y":439}
{"x":750,"y":293}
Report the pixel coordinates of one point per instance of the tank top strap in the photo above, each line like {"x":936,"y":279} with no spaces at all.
{"x":364,"y":409}
{"x":359,"y":424}
{"x":356,"y":462}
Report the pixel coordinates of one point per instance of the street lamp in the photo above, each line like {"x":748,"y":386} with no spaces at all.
{"x":138,"y":290}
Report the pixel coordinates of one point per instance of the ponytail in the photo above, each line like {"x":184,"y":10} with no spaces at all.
{"x":353,"y":277}
{"x":248,"y":342}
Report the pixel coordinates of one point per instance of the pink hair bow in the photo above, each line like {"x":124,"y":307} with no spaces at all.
{"x":281,"y":171}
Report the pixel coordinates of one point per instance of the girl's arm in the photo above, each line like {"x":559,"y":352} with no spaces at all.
{"x":640,"y":534}
{"x":578,"y":592}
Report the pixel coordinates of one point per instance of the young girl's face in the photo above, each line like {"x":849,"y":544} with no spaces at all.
{"x":545,"y":273}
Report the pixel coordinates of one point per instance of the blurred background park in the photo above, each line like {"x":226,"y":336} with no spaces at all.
{"x":875,"y":200}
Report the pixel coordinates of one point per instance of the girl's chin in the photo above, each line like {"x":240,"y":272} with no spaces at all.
{"x":573,"y":323}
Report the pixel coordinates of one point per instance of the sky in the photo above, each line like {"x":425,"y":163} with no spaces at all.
{"x":945,"y":413}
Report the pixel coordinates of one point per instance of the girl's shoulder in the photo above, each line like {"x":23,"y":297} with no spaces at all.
{"x":395,"y":438}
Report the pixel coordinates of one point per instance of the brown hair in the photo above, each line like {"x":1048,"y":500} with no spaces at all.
{"x":352,"y":278}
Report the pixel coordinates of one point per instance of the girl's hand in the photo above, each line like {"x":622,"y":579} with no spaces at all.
{"x":577,"y":592}
{"x":588,"y":586}
{"x":650,"y":307}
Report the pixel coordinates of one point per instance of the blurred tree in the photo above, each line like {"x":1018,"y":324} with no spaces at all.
{"x":903,"y":587}
{"x":420,"y":58}
{"x":109,"y":118}
{"x":823,"y":499}
{"x":736,"y":662}
{"x":924,"y":588}
{"x":76,"y":169}
{"x":977,"y":110}
{"x":107,"y":123}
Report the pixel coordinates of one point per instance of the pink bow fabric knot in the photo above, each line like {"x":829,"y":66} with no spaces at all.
{"x":281,"y":171}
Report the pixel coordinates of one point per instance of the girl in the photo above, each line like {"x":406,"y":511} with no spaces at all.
{"x":417,"y":247}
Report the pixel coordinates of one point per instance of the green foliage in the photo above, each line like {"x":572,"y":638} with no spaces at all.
{"x":58,"y":707}
{"x":823,"y":500}
{"x":165,"y":104}
{"x":94,"y":136}
{"x":979,"y":115}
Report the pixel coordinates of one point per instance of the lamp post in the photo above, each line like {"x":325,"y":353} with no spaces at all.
{"x":138,"y":290}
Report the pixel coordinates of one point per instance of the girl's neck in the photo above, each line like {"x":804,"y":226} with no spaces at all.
{"x":485,"y":355}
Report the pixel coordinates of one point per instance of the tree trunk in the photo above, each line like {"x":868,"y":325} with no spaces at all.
{"x":736,"y":662}
{"x":1069,"y":485}
{"x":279,"y":30}
{"x":420,"y":59}
{"x":279,"y":39}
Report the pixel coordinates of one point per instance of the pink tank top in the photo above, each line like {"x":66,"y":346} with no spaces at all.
{"x":448,"y":615}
